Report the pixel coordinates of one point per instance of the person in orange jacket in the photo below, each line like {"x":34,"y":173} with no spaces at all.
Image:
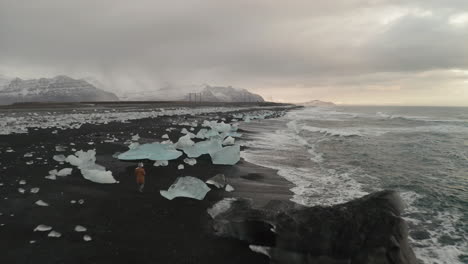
{"x":140,"y":176}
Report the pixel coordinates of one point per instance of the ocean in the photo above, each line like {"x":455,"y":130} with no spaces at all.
{"x":336,"y":154}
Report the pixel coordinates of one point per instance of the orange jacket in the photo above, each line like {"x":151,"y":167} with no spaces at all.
{"x":140,"y":172}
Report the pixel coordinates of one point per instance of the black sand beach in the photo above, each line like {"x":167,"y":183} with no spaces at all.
{"x":125,"y":226}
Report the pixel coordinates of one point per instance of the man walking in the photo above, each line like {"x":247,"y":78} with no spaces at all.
{"x":140,"y":176}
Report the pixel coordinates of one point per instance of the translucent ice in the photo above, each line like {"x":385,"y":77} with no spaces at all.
{"x":161,"y":163}
{"x":188,"y":186}
{"x":85,"y":161}
{"x":98,"y":175}
{"x":184,"y":142}
{"x":180,"y":167}
{"x":190,"y":162}
{"x":42,"y":228}
{"x":203,"y":147}
{"x":229,"y":141}
{"x":219,"y":181}
{"x":229,"y":188}
{"x":226,"y":156}
{"x":153,"y":151}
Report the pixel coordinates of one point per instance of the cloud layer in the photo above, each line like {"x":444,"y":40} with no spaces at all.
{"x":352,"y":51}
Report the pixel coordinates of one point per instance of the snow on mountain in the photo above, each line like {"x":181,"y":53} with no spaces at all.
{"x":58,"y":89}
{"x":228,"y":94}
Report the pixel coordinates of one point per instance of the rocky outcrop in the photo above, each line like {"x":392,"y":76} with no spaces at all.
{"x":58,"y":89}
{"x":366,"y":230}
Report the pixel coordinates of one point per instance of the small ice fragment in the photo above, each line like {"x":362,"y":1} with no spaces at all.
{"x":190,"y":161}
{"x":165,"y":136}
{"x":187,"y":186}
{"x":184,"y":142}
{"x":81,"y":201}
{"x":153,"y":151}
{"x":32,"y":241}
{"x":161,"y":163}
{"x":59,"y":158}
{"x":65,"y":172}
{"x":41,"y":203}
{"x":219,"y":181}
{"x":72,"y":201}
{"x":59,"y":148}
{"x":135,"y":137}
{"x":79,"y":228}
{"x":51,"y":177}
{"x":35,"y":190}
{"x":229,"y":141}
{"x":28,"y":155}
{"x":86,"y":238}
{"x":29,"y":162}
{"x":229,"y":188}
{"x":42,"y":228}
{"x":180,"y":167}
{"x":21,"y":190}
{"x":54,"y":234}
{"x":90,"y":143}
{"x":22,"y":182}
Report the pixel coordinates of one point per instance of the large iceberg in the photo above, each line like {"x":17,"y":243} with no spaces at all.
{"x":153,"y":151}
{"x":187,"y":186}
{"x":226,"y":156}
{"x":203,"y":147}
{"x":86,"y":162}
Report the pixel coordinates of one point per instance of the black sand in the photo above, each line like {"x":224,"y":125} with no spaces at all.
{"x":125,"y":226}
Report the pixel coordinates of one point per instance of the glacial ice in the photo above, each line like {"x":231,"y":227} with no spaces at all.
{"x":187,"y":186}
{"x":229,"y":141}
{"x":41,"y":203}
{"x":219,"y":181}
{"x":152,"y":151}
{"x":135,"y":137}
{"x":190,"y":161}
{"x":35,"y":190}
{"x":184,"y":142}
{"x":79,"y":228}
{"x":226,"y":156}
{"x":86,"y":238}
{"x":85,"y":161}
{"x":54,"y":234}
{"x":220,"y":207}
{"x":165,"y":136}
{"x":229,"y":188}
{"x":42,"y":228}
{"x":203,"y":147}
{"x":64,"y":172}
{"x":161,"y":163}
{"x":180,"y":167}
{"x":59,"y":158}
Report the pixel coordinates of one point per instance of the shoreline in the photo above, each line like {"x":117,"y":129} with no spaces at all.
{"x":125,"y":226}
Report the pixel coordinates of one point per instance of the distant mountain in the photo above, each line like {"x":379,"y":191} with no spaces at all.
{"x":4,"y":81}
{"x":317,"y":103}
{"x":185,"y":93}
{"x":225,"y":94}
{"x":58,"y":89}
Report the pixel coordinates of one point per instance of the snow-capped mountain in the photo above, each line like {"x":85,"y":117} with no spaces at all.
{"x":58,"y":89}
{"x":204,"y":93}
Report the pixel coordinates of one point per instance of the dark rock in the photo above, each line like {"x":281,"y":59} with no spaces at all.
{"x":365,"y":230}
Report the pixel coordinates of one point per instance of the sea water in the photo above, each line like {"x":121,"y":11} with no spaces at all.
{"x":336,"y":154}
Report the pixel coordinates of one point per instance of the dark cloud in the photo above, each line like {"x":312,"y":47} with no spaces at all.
{"x":265,"y":45}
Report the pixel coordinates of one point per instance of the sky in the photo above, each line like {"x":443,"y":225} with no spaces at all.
{"x":389,"y":52}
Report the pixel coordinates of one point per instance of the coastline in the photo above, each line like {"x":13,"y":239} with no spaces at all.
{"x":125,"y":226}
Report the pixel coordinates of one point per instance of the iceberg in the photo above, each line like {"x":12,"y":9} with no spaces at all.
{"x":86,"y":162}
{"x":203,"y":147}
{"x":187,"y":186}
{"x":153,"y":151}
{"x":226,"y":156}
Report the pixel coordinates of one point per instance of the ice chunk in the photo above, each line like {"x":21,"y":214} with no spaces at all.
{"x":187,"y":186}
{"x":229,"y":141}
{"x":133,"y":145}
{"x":54,"y":234}
{"x":21,"y":190}
{"x":190,"y":162}
{"x":86,"y":238}
{"x":165,"y":136}
{"x":41,"y":203}
{"x":201,"y":133}
{"x":22,"y":182}
{"x":28,"y":155}
{"x":153,"y":151}
{"x":35,"y":190}
{"x":135,"y":137}
{"x":180,"y":167}
{"x":82,"y":159}
{"x":60,"y":148}
{"x":220,"y":207}
{"x":184,"y":142}
{"x":161,"y":163}
{"x":226,"y":156}
{"x":51,"y":177}
{"x":79,"y":228}
{"x":229,"y":188}
{"x":29,"y":162}
{"x":42,"y":228}
{"x":65,"y":172}
{"x":219,"y":181}
{"x":59,"y":158}
{"x":98,"y":175}
{"x":203,"y":147}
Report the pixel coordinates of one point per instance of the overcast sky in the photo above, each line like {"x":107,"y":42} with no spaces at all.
{"x":410,"y":52}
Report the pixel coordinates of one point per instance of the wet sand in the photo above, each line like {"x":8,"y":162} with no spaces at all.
{"x":125,"y":226}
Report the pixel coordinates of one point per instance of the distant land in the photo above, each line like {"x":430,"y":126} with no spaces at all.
{"x":317,"y":103}
{"x":66,"y":89}
{"x":58,"y":89}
